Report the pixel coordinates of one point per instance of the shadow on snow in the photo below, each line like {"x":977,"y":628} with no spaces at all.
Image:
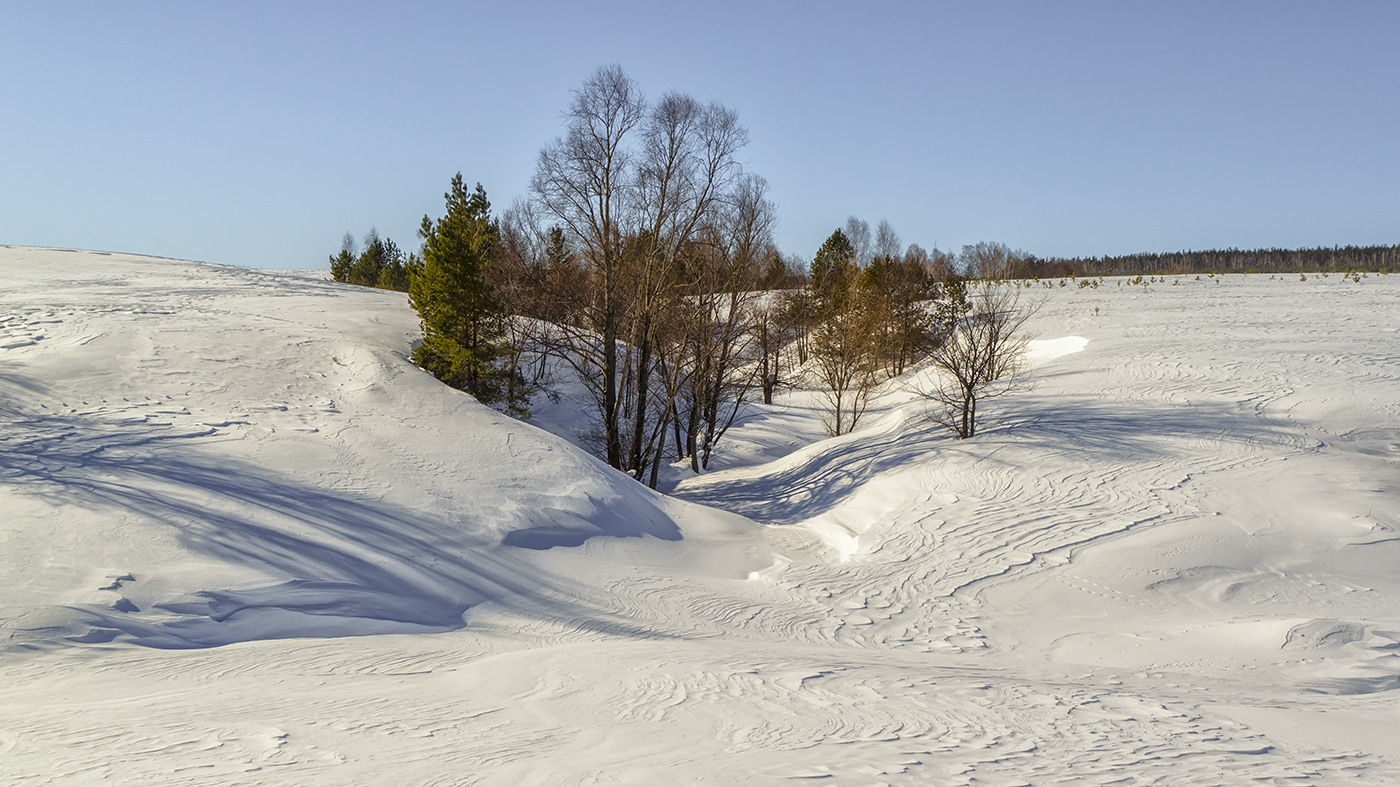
{"x":357,"y":566}
{"x":1104,"y":432}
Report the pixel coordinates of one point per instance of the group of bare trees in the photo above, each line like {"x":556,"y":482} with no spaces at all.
{"x":638,"y":261}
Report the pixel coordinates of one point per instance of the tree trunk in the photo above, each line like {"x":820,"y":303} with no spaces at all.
{"x":691,"y":432}
{"x":660,"y":448}
{"x":643,"y":380}
{"x":676,"y":428}
{"x":612,"y":437}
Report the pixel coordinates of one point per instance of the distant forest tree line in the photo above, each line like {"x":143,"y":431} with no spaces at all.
{"x":1337,"y":258}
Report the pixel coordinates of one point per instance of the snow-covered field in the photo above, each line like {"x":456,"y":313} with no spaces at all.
{"x":1175,"y":561}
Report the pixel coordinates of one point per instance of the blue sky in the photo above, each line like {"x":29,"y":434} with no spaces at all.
{"x":258,"y":133}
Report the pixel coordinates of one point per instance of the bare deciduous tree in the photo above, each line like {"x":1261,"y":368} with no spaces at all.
{"x":773,"y":332}
{"x":858,"y":233}
{"x":886,"y":241}
{"x":980,"y":354}
{"x":847,"y":368}
{"x":686,"y":167}
{"x":582,"y":180}
{"x":726,"y":297}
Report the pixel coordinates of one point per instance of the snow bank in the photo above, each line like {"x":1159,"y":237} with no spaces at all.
{"x":196,"y":455}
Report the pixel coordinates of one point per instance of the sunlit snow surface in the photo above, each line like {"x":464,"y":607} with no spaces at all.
{"x":1174,"y":561}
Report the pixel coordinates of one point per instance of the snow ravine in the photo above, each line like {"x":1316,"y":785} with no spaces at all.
{"x":244,"y":541}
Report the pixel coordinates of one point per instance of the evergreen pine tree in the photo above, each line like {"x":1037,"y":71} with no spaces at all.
{"x":367,"y":268}
{"x":775,"y":272}
{"x":342,"y":263}
{"x":833,"y":273}
{"x":463,"y":323}
{"x":395,"y":274}
{"x":953,"y":304}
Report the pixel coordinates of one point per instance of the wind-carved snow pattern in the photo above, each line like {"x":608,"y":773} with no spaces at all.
{"x":1171,"y":562}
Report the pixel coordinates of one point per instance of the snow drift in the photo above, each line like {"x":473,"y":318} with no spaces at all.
{"x":199,"y":455}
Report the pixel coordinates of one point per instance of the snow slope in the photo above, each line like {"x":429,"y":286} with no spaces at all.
{"x":1173,"y":561}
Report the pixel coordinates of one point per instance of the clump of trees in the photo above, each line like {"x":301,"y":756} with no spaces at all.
{"x":878,"y":312}
{"x":656,"y":245}
{"x":382,"y":264}
{"x":643,"y":262}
